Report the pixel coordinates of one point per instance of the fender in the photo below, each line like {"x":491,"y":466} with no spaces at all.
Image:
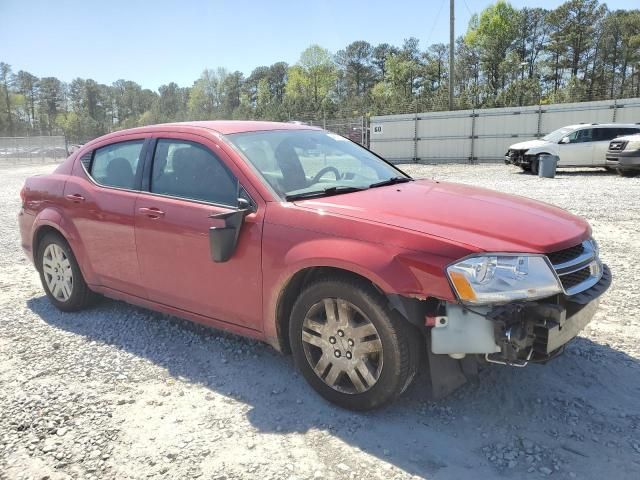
{"x":52,"y":216}
{"x":393,"y":270}
{"x":544,"y":149}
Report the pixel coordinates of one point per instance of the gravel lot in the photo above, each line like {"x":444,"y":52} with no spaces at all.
{"x":122,"y":392}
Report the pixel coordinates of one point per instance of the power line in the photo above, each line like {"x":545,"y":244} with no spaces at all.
{"x":435,"y":23}
{"x":468,"y":9}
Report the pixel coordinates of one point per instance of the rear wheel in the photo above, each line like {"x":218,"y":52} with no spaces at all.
{"x":61,"y":276}
{"x":350,"y":347}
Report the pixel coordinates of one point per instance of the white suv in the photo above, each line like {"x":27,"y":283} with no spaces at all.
{"x":583,"y":145}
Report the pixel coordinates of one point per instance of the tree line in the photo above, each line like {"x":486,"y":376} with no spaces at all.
{"x":580,"y":51}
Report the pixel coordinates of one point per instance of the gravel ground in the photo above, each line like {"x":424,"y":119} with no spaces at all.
{"x":122,"y":392}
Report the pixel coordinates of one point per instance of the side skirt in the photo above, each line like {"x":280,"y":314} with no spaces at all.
{"x":184,"y":314}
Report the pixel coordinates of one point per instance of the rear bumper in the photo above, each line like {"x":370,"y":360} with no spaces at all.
{"x":624,"y":160}
{"x":518,"y":333}
{"x":25,"y":222}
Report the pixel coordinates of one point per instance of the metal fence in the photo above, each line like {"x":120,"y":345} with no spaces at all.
{"x":476,"y":136}
{"x":21,"y":150}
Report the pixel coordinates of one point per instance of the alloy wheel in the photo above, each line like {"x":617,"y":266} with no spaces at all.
{"x":57,"y":272}
{"x":342,"y":346}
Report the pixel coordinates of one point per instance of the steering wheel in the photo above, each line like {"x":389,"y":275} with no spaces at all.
{"x":322,"y":173}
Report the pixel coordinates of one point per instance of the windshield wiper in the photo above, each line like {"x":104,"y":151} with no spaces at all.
{"x":323,"y":193}
{"x":391,"y":181}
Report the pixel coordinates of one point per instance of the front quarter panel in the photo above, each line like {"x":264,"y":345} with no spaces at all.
{"x":397,"y":261}
{"x":550,"y":148}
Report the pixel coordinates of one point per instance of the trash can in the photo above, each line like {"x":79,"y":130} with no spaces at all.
{"x":547,"y":166}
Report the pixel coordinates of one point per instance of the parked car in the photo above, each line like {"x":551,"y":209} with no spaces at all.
{"x":583,"y":145}
{"x":362,"y":272}
{"x":624,"y":155}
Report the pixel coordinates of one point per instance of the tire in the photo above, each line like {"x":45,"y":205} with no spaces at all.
{"x":535,"y":166}
{"x":627,"y":173}
{"x":389,"y":346}
{"x":69,"y":292}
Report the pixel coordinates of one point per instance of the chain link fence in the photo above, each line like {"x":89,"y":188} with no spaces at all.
{"x":30,"y":150}
{"x":354,"y":128}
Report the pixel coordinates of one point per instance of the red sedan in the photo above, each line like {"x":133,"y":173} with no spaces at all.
{"x":301,"y":238}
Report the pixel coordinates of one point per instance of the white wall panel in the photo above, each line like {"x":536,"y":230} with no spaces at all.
{"x":442,"y":150}
{"x":446,"y":136}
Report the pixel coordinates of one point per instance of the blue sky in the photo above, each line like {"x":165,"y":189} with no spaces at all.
{"x":159,"y":41}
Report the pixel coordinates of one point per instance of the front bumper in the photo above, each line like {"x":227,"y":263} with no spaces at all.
{"x":517,"y":158}
{"x":624,"y":160}
{"x":517,"y":333}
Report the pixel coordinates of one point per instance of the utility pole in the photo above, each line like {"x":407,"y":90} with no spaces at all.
{"x":451,"y":49}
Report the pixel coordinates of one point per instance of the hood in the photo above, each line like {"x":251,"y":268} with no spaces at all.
{"x":629,"y":138}
{"x":528,"y":144}
{"x":480,"y":218}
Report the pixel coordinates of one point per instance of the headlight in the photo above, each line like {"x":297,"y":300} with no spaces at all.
{"x":503,"y":278}
{"x":633,"y":145}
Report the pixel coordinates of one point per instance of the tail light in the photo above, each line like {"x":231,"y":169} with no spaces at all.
{"x":23,"y":195}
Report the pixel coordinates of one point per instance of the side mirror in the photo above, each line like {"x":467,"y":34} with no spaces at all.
{"x":565,"y":140}
{"x":224,"y":240}
{"x":243,"y":204}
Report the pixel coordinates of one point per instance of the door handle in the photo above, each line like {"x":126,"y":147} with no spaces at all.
{"x":151,"y":212}
{"x":75,"y":197}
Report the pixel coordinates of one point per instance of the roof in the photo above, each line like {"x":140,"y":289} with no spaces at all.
{"x":227,"y":127}
{"x":223,"y":127}
{"x":606,"y":125}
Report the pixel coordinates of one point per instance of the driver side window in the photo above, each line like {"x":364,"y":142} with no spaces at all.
{"x":581,"y":136}
{"x":191,"y":171}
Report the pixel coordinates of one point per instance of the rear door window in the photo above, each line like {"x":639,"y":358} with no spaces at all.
{"x":606,"y":134}
{"x":628,"y":131}
{"x":191,"y":171}
{"x":116,"y":165}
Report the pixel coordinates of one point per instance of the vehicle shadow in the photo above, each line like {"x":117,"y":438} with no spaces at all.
{"x":574,"y":172}
{"x":591,"y":390}
{"x":587,"y":172}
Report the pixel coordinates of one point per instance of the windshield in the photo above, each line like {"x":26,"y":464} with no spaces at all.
{"x":305,"y":163}
{"x":556,"y":135}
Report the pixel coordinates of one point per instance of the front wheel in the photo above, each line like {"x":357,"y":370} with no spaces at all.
{"x":350,"y":347}
{"x":535,"y":166}
{"x":61,"y":276}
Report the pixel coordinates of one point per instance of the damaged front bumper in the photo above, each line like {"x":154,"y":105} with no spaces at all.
{"x":519,"y":158}
{"x":515,"y":333}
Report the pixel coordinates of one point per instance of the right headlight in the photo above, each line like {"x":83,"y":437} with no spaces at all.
{"x":490,"y":278}
{"x":633,"y":145}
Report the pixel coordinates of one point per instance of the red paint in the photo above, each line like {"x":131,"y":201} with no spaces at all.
{"x":153,"y":250}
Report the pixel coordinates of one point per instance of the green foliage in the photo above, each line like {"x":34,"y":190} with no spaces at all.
{"x":508,"y":56}
{"x":494,"y":35}
{"x":311,"y":80}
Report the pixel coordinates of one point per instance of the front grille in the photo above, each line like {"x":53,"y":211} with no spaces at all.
{"x":617,"y":146}
{"x":566,"y":255}
{"x":572,"y":279}
{"x":578,"y":267}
